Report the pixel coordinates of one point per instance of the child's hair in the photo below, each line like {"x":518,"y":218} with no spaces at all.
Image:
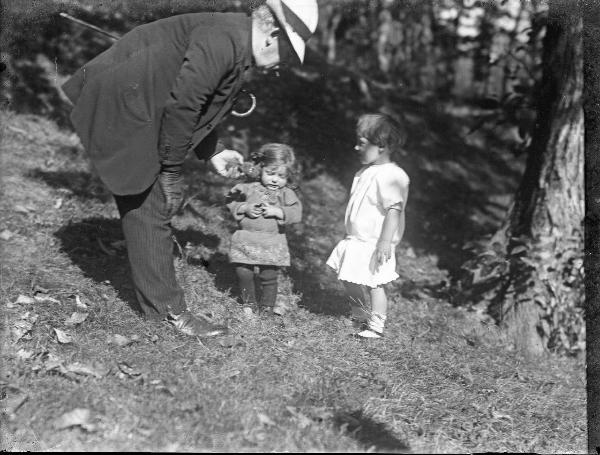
{"x":275,"y":154}
{"x":382,"y":130}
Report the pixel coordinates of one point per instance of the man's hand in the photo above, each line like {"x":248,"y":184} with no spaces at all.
{"x":227,"y":163}
{"x":170,"y":180}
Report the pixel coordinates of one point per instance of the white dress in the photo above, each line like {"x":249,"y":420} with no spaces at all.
{"x":375,"y":189}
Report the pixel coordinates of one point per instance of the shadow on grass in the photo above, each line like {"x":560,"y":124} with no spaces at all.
{"x":371,"y":433}
{"x":95,"y":245}
{"x":82,"y":184}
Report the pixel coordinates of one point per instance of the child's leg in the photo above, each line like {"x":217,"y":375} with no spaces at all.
{"x":378,"y":316}
{"x":268,"y":281}
{"x":358,"y":301}
{"x":245,"y":275}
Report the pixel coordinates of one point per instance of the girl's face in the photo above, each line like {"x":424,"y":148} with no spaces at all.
{"x":274,"y":177}
{"x":368,"y":153}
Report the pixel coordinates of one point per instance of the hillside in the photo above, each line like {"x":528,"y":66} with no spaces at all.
{"x":442,"y":380}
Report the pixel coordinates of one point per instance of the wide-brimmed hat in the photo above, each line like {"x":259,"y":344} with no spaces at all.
{"x":299,"y":20}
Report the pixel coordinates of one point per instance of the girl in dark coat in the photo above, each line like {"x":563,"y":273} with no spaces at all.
{"x":263,"y":209}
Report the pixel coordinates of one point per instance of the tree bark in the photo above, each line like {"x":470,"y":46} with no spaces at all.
{"x":548,"y":209}
{"x":591,"y":74}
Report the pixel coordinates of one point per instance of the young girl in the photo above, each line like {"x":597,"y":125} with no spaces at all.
{"x":365,"y":259}
{"x":263,"y":208}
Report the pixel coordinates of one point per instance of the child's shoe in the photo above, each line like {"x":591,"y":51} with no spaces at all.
{"x":369,"y":333}
{"x":374,"y":327}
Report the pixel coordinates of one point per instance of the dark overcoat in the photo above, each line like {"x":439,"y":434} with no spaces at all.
{"x":158,"y":92}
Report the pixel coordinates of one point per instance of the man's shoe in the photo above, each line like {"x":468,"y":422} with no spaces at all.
{"x":189,"y":324}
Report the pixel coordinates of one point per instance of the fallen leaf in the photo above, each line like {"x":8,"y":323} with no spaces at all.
{"x":77,"y":417}
{"x":87,"y":370}
{"x":164,"y":389}
{"x":20,"y":329}
{"x":21,"y":209}
{"x":24,"y":300}
{"x":76,"y":318}
{"x":119,"y":340}
{"x":6,"y":234}
{"x":303,"y":421}
{"x":24,"y":354}
{"x":500,"y":416}
{"x":45,"y":299}
{"x":58,"y":203}
{"x":79,"y":303}
{"x":63,"y":337}
{"x":105,"y":249}
{"x":265,"y":419}
{"x":10,"y":405}
{"x":118,"y":244}
{"x":128,"y":370}
{"x":230,"y":341}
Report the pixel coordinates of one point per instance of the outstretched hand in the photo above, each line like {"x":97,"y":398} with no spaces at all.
{"x":227,"y":163}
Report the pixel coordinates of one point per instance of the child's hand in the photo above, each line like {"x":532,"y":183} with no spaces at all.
{"x":272,"y":211}
{"x":383,"y":253}
{"x":253,"y":210}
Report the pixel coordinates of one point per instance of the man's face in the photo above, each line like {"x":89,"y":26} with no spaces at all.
{"x":266,"y":49}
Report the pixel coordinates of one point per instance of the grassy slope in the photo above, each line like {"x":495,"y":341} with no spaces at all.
{"x":439,"y":382}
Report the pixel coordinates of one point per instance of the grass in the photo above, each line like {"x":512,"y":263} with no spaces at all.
{"x":440,"y":381}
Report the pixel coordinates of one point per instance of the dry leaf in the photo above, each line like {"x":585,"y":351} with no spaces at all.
{"x":79,"y":304}
{"x":87,"y":370}
{"x":63,"y":337}
{"x":128,"y":370}
{"x":119,"y":340}
{"x":6,"y":234}
{"x":21,"y":209}
{"x":77,"y":417}
{"x":303,"y":421}
{"x":45,"y":298}
{"x":105,"y":249}
{"x":10,"y":405}
{"x":20,"y":329}
{"x":230,"y":341}
{"x":24,"y":300}
{"x":118,"y":244}
{"x":265,"y":419}
{"x":24,"y":354}
{"x":76,"y":318}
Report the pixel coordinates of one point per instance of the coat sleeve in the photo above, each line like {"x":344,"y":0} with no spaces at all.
{"x":210,"y":146}
{"x":292,"y":208}
{"x":235,"y":199}
{"x":208,"y":58}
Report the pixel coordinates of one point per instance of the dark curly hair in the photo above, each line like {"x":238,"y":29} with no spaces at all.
{"x":382,"y":130}
{"x":273,"y":154}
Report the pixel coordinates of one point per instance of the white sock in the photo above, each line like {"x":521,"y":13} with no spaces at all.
{"x":376,"y":322}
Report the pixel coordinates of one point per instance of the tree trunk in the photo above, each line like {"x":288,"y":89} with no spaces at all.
{"x":591,"y":74}
{"x":548,"y":209}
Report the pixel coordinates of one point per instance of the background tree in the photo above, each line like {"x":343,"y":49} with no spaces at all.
{"x":591,"y":74}
{"x":533,"y":271}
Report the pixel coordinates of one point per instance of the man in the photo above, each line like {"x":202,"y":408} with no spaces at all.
{"x":158,"y":92}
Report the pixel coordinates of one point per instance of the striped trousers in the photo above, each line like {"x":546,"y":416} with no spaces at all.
{"x":147,"y":231}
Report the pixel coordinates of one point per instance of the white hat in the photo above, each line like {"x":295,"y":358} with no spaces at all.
{"x":299,"y":19}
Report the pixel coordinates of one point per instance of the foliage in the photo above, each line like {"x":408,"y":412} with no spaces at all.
{"x":546,"y":271}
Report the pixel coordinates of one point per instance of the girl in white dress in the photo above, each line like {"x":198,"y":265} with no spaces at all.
{"x":365,"y":260}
